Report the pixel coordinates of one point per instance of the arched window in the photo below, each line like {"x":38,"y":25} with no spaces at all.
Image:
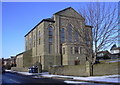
{"x":76,"y":36}
{"x":50,"y":34}
{"x":70,"y":32}
{"x":62,"y":35}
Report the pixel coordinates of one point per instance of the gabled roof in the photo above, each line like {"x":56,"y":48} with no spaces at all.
{"x":47,"y":19}
{"x":51,"y":19}
{"x":67,"y":9}
{"x":114,"y":46}
{"x":117,"y":48}
{"x":104,"y":52}
{"x":63,"y":10}
{"x":19,"y":54}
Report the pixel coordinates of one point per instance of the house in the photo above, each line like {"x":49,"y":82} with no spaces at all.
{"x":115,"y":52}
{"x":103,"y":55}
{"x":13,"y":61}
{"x":7,"y":63}
{"x":56,"y":40}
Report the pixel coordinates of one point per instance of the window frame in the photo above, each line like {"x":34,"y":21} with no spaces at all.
{"x":76,"y":50}
{"x":62,"y":35}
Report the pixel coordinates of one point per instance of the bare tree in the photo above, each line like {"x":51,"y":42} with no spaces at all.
{"x":104,"y":19}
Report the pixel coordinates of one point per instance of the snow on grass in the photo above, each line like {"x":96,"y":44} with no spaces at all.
{"x":50,"y":75}
{"x":25,"y":73}
{"x":114,"y":61}
{"x":44,"y":73}
{"x":10,"y":71}
{"x":109,"y":78}
{"x":73,"y":82}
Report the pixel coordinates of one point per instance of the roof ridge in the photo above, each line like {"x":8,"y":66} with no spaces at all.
{"x":63,"y":10}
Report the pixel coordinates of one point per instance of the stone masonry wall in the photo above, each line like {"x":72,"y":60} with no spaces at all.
{"x":27,"y":58}
{"x":81,"y":70}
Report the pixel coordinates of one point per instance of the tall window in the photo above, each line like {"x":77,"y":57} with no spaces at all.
{"x":50,"y":48}
{"x":87,"y":35}
{"x":30,"y":42}
{"x":50,"y":34}
{"x":34,"y":41}
{"x":63,"y":51}
{"x":87,"y":38}
{"x":76,"y":50}
{"x":26,"y":43}
{"x":76,"y":36}
{"x":69,"y":32}
{"x":39,"y":37}
{"x":62,"y":35}
{"x":71,"y":50}
{"x":80,"y":50}
{"x":50,"y":40}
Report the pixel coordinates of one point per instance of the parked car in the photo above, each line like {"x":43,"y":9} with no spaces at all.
{"x":33,"y":69}
{"x":3,"y":69}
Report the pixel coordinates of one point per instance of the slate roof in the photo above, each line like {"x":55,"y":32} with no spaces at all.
{"x":47,"y":19}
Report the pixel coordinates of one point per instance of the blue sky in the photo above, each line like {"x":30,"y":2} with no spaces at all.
{"x":18,"y":18}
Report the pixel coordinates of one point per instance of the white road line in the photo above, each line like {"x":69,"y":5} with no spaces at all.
{"x":14,"y":81}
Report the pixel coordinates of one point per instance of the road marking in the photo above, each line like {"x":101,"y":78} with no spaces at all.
{"x":14,"y":81}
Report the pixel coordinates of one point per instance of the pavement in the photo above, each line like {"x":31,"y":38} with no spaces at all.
{"x":71,"y":78}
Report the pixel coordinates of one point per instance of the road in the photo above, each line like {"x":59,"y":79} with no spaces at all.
{"x":14,"y":78}
{"x":9,"y":78}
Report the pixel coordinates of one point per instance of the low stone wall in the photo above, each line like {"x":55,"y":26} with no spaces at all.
{"x":77,"y":70}
{"x":82,"y":70}
{"x":19,"y":69}
{"x":105,"y":69}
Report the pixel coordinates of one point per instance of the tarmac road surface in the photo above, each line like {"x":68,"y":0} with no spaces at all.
{"x":9,"y":78}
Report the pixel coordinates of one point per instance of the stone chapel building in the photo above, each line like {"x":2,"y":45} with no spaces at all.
{"x":56,"y":41}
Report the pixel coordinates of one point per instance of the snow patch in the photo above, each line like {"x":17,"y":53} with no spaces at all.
{"x":73,"y":82}
{"x":25,"y":73}
{"x":110,"y":78}
{"x":114,"y":61}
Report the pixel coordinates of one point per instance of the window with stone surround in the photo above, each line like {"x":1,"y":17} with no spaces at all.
{"x":50,"y":34}
{"x":70,"y":32}
{"x":50,"y":38}
{"x":39,"y":36}
{"x":30,"y":40}
{"x":63,"y":51}
{"x":34,"y":41}
{"x":71,"y":50}
{"x":50,"y":48}
{"x":76,"y":36}
{"x":62,"y":35}
{"x":80,"y":50}
{"x":76,"y":50}
{"x":26,"y":42}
